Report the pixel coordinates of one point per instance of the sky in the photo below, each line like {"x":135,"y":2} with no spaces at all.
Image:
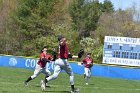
{"x":124,"y":4}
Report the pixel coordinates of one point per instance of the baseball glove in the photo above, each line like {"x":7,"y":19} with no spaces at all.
{"x":90,"y":65}
{"x":81,"y":52}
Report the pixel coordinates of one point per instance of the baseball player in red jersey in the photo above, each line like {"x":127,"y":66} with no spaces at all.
{"x":62,"y":63}
{"x":88,"y":63}
{"x":41,"y":65}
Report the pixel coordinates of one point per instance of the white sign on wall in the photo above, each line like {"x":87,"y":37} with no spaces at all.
{"x":121,"y":61}
{"x":121,"y":51}
{"x":120,"y":40}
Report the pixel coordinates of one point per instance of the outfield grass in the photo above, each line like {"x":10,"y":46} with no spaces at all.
{"x":11,"y":81}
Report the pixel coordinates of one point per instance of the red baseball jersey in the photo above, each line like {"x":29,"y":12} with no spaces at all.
{"x":42,"y":55}
{"x":63,"y":51}
{"x":87,"y":62}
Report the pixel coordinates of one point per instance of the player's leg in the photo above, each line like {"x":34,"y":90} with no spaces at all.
{"x":36,"y":73}
{"x":47,"y":74}
{"x":89,"y":72}
{"x":84,"y":75}
{"x":87,"y":75}
{"x":69,"y":71}
{"x":57,"y":70}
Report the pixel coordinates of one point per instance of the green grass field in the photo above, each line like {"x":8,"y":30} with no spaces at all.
{"x":11,"y":81}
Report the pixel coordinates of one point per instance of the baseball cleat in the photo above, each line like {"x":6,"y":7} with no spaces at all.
{"x":47,"y":85}
{"x":42,"y":85}
{"x":25,"y":83}
{"x":75,"y":90}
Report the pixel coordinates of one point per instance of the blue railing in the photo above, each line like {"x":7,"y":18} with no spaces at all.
{"x":97,"y":69}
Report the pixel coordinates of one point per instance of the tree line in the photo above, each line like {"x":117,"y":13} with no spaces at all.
{"x":32,"y":24}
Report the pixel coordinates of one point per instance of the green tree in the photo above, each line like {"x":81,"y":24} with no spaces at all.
{"x":88,"y":44}
{"x":107,"y":6}
{"x":94,"y":47}
{"x":36,"y":23}
{"x":76,"y":11}
{"x":119,"y":23}
{"x":85,"y":15}
{"x":30,"y":23}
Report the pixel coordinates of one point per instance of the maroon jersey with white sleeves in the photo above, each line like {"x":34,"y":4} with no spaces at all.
{"x":42,"y":55}
{"x":63,"y":51}
{"x":87,"y":62}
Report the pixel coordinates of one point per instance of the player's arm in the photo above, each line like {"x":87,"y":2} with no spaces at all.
{"x":75,"y":56}
{"x":80,"y":54}
{"x":43,"y":59}
{"x":54,"y":54}
{"x":72,"y":56}
{"x":91,"y":64}
{"x":91,"y":61}
{"x":83,"y":61}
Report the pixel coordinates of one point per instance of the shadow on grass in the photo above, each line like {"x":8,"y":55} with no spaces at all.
{"x":4,"y":91}
{"x":57,"y":91}
{"x":52,"y":91}
{"x":92,"y":84}
{"x":46,"y":86}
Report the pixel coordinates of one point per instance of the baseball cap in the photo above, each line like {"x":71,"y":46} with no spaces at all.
{"x":60,"y":37}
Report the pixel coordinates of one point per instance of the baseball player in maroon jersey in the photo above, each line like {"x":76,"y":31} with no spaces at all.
{"x":62,"y":63}
{"x":88,"y":63}
{"x":41,"y":65}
